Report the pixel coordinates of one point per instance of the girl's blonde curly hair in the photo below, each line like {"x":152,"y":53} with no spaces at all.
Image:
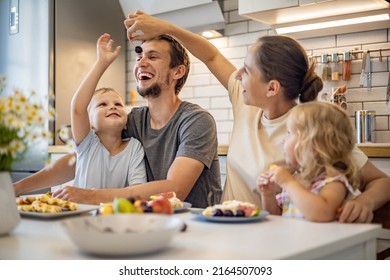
{"x":326,"y":139}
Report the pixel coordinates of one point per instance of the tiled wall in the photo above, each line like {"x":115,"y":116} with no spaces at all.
{"x":203,"y":88}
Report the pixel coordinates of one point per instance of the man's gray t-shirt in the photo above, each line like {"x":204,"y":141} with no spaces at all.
{"x":192,"y":133}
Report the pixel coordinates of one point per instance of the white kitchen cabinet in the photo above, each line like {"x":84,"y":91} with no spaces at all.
{"x":250,"y":6}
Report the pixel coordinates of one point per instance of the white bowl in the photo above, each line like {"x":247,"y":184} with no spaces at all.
{"x":122,"y":234}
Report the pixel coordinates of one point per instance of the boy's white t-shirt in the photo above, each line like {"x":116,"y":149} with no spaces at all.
{"x":96,"y":168}
{"x":255,"y":143}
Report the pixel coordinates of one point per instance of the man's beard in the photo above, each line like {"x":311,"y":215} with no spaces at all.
{"x":153,"y":91}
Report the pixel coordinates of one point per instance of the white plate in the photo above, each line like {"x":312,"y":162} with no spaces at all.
{"x":222,"y":219}
{"x":81,"y":209}
{"x":186,"y":205}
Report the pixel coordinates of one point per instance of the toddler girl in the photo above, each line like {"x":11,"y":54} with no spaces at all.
{"x":321,"y":173}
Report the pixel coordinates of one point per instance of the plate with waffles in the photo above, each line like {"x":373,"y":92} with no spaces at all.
{"x":46,"y":206}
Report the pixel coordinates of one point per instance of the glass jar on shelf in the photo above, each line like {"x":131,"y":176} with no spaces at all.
{"x":335,"y":67}
{"x":346,"y":66}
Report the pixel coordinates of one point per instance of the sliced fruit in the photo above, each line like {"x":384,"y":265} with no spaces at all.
{"x":161,"y":205}
{"x":166,"y":195}
{"x":106,"y":209}
{"x":249,"y":210}
{"x":232,"y":208}
{"x":122,"y":205}
{"x":272,"y":166}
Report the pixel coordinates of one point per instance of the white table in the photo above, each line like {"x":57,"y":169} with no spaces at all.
{"x":271,"y":238}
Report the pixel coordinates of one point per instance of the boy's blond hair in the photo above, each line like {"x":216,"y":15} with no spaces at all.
{"x":104,"y":90}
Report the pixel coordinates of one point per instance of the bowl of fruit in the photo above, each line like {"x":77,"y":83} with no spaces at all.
{"x":122,"y":234}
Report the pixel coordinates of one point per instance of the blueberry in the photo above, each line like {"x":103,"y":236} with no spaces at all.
{"x":148,"y":209}
{"x":240,"y":213}
{"x":217,"y":213}
{"x":228,"y":213}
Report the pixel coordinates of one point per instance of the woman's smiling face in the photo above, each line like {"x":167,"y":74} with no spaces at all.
{"x":252,"y":80}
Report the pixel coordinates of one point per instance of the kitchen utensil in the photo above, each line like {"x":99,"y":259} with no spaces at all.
{"x":363,"y":71}
{"x":365,"y":126}
{"x":368,"y":71}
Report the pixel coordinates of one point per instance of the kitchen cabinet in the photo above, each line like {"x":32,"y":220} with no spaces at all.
{"x":285,"y":13}
{"x":249,"y":6}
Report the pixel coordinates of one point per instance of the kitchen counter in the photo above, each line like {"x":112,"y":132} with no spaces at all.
{"x":378,"y":150}
{"x":273,"y":237}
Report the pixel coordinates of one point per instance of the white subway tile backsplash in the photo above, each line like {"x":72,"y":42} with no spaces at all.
{"x":219,"y":114}
{"x":220,"y":102}
{"x":381,"y":123}
{"x":223,"y":138}
{"x":381,"y":108}
{"x":235,"y":17}
{"x":235,"y":52}
{"x":236,"y":28}
{"x":225,"y":126}
{"x":220,"y":42}
{"x":245,"y":39}
{"x":368,"y":37}
{"x":353,"y":107}
{"x":199,"y":68}
{"x":202,"y":102}
{"x":382,"y":136}
{"x":229,"y":5}
{"x":257,"y":26}
{"x":198,"y":80}
{"x":319,"y":43}
{"x":187,"y":92}
{"x":210,"y":91}
{"x":362,"y":95}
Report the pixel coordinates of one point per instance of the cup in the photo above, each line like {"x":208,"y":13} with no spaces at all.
{"x":365,"y":126}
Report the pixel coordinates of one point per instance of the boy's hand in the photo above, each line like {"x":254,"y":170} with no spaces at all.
{"x":104,"y":49}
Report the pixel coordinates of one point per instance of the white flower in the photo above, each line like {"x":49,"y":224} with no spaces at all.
{"x":22,"y":124}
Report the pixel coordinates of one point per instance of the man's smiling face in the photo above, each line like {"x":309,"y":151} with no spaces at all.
{"x":152,"y":70}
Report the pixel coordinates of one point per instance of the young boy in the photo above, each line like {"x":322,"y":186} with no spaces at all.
{"x":98,"y":117}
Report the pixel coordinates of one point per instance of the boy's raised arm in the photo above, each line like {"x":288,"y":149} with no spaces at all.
{"x":79,"y":113}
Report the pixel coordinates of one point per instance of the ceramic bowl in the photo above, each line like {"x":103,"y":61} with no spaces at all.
{"x":122,"y":234}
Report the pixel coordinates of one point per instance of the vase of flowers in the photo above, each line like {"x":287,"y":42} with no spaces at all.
{"x":22,"y":124}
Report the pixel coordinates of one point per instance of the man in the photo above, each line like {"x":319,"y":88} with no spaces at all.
{"x":179,"y":138}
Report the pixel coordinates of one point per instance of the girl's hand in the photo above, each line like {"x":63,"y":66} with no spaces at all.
{"x":266,"y":186}
{"x":104,"y":49}
{"x":280,"y":175}
{"x":263,"y":183}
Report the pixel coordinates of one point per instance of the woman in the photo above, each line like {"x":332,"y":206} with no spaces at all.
{"x":275,"y":73}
